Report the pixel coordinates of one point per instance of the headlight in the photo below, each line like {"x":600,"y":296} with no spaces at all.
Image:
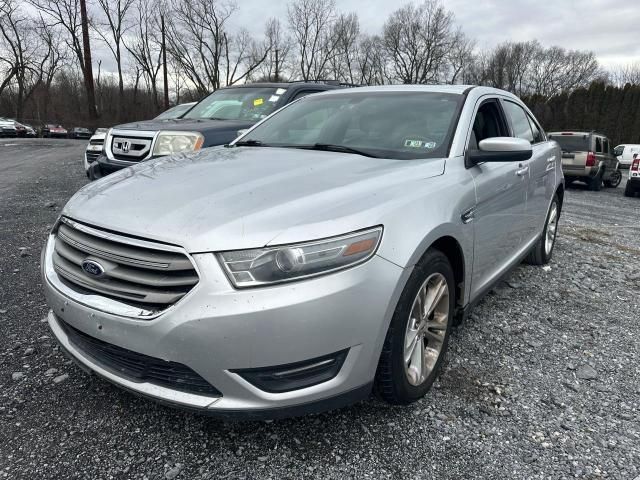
{"x":262,"y":266}
{"x":168,"y":143}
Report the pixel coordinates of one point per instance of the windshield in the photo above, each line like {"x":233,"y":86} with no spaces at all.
{"x":572,"y":143}
{"x":398,"y":125}
{"x":175,"y":112}
{"x":247,"y":103}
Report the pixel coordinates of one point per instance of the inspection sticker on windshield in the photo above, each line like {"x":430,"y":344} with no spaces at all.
{"x":274,"y":98}
{"x":409,"y":143}
{"x":258,"y":101}
{"x":280,"y":91}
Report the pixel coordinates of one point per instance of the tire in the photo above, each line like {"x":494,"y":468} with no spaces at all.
{"x":628,"y":191}
{"x":541,"y":254}
{"x":614,"y":179}
{"x":392,"y":381}
{"x":595,"y":183}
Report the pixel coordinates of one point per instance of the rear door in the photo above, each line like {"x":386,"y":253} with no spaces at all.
{"x":541,"y":166}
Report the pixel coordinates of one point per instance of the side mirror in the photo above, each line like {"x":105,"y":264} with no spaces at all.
{"x":500,"y":149}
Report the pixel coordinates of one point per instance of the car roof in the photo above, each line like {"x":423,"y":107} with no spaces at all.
{"x":287,"y":85}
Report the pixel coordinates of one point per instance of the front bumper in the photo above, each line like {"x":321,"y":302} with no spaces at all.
{"x":216,"y":330}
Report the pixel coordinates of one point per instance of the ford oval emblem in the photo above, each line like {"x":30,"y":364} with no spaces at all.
{"x":93,"y":268}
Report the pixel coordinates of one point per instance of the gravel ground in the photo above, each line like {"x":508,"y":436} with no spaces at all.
{"x":542,"y":382}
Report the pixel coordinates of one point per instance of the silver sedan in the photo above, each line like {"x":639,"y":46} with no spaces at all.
{"x":323,"y":255}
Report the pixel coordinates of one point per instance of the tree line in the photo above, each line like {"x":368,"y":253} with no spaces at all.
{"x":179,"y":50}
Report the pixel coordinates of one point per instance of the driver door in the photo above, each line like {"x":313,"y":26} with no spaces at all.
{"x":501,"y":197}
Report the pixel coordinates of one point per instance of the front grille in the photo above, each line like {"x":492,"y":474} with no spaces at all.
{"x":149,"y":277}
{"x":132,"y":149}
{"x":92,"y":156}
{"x":138,"y":367}
{"x":96,"y":141}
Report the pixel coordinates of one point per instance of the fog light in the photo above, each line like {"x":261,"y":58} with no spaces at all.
{"x":294,"y":376}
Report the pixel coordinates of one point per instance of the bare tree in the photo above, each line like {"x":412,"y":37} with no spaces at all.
{"x":372,"y":61}
{"x":460,"y":58}
{"x":111,"y":28}
{"x":200,"y":44}
{"x":68,"y":14}
{"x":278,"y":63}
{"x":555,"y":70}
{"x":311,"y":23}
{"x":143,"y":45}
{"x":346,"y":31}
{"x":629,"y":73}
{"x":417,"y":39}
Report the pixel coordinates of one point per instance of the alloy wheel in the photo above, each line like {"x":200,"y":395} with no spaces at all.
{"x":426,"y":329}
{"x":552,"y":228}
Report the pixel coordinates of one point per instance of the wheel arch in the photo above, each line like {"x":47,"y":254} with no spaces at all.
{"x":452,"y":249}
{"x":560,"y":193}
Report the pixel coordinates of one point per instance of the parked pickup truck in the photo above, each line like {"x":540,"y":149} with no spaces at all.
{"x":215,"y":120}
{"x":588,"y":157}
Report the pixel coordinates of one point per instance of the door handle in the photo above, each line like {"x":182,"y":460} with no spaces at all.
{"x":523,"y":170}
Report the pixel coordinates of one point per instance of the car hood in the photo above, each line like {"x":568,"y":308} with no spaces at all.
{"x":244,"y":197}
{"x":215,"y":132}
{"x":187,"y":124}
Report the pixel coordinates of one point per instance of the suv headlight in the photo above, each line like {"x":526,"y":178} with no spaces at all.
{"x":263,"y":266}
{"x":168,"y":143}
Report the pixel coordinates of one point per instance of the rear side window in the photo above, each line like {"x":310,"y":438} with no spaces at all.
{"x":537,"y":133}
{"x":598,"y":145}
{"x":519,"y":121}
{"x":572,"y":143}
{"x":605,"y":145}
{"x":619,"y":150}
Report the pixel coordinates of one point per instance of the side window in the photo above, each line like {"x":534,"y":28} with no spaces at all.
{"x":519,"y":121}
{"x":619,"y":150}
{"x":598,"y":145}
{"x":606,"y":145}
{"x":489,"y":122}
{"x":538,"y":136}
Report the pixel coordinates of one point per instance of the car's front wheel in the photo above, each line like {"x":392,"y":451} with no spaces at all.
{"x":418,"y":335}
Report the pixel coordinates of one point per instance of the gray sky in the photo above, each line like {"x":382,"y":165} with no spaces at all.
{"x":611,"y":28}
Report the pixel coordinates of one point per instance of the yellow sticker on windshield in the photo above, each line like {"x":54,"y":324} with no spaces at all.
{"x":258,"y":101}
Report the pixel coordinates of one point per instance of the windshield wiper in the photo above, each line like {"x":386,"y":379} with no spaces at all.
{"x":329,"y":147}
{"x":250,"y":143}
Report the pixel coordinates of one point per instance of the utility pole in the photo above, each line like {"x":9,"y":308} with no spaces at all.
{"x":277,"y":74}
{"x":164,"y":65}
{"x":88,"y":70}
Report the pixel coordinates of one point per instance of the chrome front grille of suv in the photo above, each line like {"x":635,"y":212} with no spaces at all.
{"x":132,"y":149}
{"x":139,"y":273}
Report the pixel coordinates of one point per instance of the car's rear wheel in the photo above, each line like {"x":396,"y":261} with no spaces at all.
{"x":595,"y":183}
{"x":542,"y":251}
{"x":418,"y":335}
{"x":614,"y":179}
